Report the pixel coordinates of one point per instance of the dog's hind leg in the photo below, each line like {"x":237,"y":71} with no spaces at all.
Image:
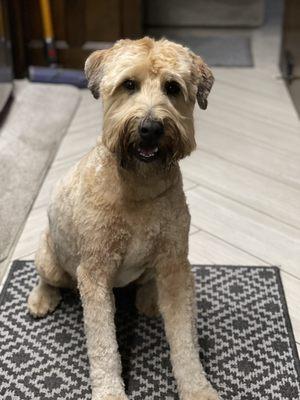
{"x":146,"y":299}
{"x":45,"y":296}
{"x":43,"y":299}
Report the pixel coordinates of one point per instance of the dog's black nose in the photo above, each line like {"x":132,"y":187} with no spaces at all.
{"x":151,"y":129}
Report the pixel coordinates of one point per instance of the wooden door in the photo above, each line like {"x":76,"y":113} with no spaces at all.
{"x":80,"y":26}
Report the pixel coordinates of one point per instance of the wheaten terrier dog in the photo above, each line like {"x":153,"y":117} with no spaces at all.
{"x":120,"y":215}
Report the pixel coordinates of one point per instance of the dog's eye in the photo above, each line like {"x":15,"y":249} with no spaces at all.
{"x":129,"y":85}
{"x":172,"y":88}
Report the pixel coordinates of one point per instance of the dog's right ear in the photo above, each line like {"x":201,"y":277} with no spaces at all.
{"x":93,"y":69}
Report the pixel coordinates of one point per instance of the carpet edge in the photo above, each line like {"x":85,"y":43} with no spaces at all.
{"x":288,"y":322}
{"x":7,"y":276}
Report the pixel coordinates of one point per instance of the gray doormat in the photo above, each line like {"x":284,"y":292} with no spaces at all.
{"x":218,"y":51}
{"x":29,"y":137}
{"x":247,"y":345}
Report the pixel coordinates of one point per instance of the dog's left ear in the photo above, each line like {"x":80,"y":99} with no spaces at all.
{"x":93,"y":69}
{"x":205,"y":81}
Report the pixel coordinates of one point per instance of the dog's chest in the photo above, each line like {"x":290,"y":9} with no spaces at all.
{"x":139,"y":254}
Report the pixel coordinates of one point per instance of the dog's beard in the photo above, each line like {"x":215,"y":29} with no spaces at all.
{"x":121,"y":137}
{"x":176,"y":143}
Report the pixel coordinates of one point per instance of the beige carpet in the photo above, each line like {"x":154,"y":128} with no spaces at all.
{"x":29,"y":137}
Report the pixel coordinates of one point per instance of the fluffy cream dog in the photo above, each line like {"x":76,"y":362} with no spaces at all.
{"x":120,"y":215}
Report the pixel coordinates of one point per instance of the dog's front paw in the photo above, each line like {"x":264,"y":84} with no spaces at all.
{"x":205,"y":394}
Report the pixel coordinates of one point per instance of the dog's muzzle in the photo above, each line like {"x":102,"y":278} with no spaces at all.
{"x":150,"y":131}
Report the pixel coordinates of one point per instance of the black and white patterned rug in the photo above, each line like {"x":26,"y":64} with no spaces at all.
{"x":247,"y":345}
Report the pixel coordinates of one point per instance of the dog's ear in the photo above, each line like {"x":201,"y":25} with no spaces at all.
{"x":93,"y":69}
{"x":205,"y":81}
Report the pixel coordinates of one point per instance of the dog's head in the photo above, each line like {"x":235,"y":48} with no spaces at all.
{"x":149,"y":89}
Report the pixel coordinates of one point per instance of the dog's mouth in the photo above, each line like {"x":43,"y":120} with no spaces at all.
{"x":147,"y":153}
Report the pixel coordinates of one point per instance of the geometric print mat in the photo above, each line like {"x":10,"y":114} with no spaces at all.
{"x":246,"y":341}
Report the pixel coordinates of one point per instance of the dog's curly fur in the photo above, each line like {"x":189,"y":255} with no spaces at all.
{"x":115,"y":218}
